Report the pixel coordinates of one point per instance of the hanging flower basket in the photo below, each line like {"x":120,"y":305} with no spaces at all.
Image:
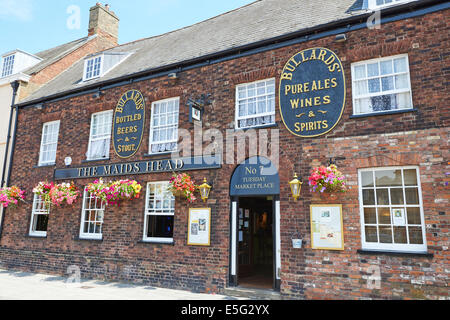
{"x":114,"y":192}
{"x":183,"y":186}
{"x":327,"y":181}
{"x":10,"y":197}
{"x":57,"y":194}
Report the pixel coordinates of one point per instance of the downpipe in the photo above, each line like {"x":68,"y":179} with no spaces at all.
{"x":14,"y":110}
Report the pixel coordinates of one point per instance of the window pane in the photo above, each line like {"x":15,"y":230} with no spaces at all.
{"x":384,"y":216}
{"x":361,"y":87}
{"x":412,"y":195}
{"x":415,"y":235}
{"x":387,"y":83}
{"x":397,"y":196}
{"x":360,"y":72}
{"x":374,"y":85}
{"x":400,"y":65}
{"x":384,"y":103}
{"x":160,"y":226}
{"x":372,"y":69}
{"x":410,"y":177}
{"x":414,"y":216}
{"x":368,"y":197}
{"x":370,"y":216}
{"x":382,"y":197}
{"x":388,"y":178}
{"x":386,"y":67}
{"x":401,"y":81}
{"x":400,"y":235}
{"x":371,"y":234}
{"x":41,"y":222}
{"x":386,"y":234}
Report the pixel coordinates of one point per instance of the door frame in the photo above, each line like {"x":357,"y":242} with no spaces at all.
{"x":234,"y":243}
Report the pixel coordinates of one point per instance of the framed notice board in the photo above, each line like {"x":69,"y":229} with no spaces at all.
{"x":327,"y":231}
{"x":199,"y":228}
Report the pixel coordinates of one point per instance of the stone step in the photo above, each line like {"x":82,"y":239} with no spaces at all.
{"x":252,"y":294}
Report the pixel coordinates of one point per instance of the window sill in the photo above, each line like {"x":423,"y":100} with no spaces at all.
{"x":172,"y":243}
{"x":148,"y":155}
{"x":35,"y":236}
{"x":44,"y":165}
{"x":88,"y":239}
{"x":264,"y":126}
{"x":396,"y":253}
{"x":95,"y":160}
{"x":356,"y":116}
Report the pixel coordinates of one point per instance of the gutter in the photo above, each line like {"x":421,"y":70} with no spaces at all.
{"x":389,"y":14}
{"x":15,"y":87}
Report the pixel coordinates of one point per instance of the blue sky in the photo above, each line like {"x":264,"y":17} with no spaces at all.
{"x":36,"y":25}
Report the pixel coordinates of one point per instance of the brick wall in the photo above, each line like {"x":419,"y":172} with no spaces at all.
{"x":417,"y":138}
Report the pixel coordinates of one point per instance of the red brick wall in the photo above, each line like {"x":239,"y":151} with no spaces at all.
{"x":416,"y":138}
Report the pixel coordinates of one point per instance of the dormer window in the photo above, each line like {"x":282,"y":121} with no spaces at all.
{"x":8,"y":65}
{"x":378,"y":4}
{"x":99,"y":65}
{"x":93,"y":68}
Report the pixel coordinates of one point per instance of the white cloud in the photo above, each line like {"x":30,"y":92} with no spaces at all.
{"x":16,"y":9}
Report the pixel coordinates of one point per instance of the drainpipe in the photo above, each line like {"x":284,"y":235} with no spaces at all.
{"x":14,"y":109}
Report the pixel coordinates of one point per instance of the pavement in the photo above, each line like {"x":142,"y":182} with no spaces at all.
{"x":17,"y":285}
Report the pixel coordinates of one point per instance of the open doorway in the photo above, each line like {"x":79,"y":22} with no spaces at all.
{"x":255,"y":243}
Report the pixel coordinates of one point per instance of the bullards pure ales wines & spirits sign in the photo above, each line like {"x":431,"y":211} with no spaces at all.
{"x":312,"y":92}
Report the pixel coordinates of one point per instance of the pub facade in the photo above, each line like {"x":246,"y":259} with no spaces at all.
{"x":251,"y":115}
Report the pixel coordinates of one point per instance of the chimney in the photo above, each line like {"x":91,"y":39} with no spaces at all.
{"x":103,"y":22}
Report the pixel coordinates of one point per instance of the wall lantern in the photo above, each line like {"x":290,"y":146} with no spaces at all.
{"x":296,"y":187}
{"x":205,"y":188}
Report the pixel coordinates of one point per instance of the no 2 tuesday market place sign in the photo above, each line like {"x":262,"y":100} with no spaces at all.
{"x":312,"y":92}
{"x":128,"y":126}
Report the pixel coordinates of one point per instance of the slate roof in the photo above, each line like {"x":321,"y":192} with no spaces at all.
{"x":258,"y":21}
{"x":52,"y":55}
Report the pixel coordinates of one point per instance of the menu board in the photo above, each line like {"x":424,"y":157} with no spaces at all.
{"x":199,"y":232}
{"x":326,"y":227}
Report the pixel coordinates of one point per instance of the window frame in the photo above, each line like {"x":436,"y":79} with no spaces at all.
{"x":374,"y":6}
{"x":37,"y":200}
{"x":51,"y":162}
{"x":100,"y":69}
{"x":147,"y":213}
{"x":392,"y":247}
{"x":91,"y":139}
{"x":150,"y":141}
{"x":256,"y":115}
{"x":8,"y":65}
{"x":91,"y":236}
{"x":381,"y":93}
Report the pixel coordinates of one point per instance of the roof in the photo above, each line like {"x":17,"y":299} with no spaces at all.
{"x":255,"y":22}
{"x":52,"y":55}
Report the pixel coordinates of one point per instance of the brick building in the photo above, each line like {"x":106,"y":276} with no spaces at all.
{"x":322,"y":87}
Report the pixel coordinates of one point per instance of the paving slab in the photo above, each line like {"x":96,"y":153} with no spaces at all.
{"x":16,"y":285}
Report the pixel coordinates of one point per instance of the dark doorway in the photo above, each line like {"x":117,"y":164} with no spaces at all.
{"x":255,"y":242}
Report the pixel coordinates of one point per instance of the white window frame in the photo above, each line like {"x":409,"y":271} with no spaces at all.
{"x":87,"y":77}
{"x":83,"y":233}
{"x":392,"y":247}
{"x":92,"y":139}
{"x":46,"y":143}
{"x":38,"y":209}
{"x":8,"y":65}
{"x":161,"y":212}
{"x":256,"y":115}
{"x":373,"y":3}
{"x":152,"y":127}
{"x":381,"y":93}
